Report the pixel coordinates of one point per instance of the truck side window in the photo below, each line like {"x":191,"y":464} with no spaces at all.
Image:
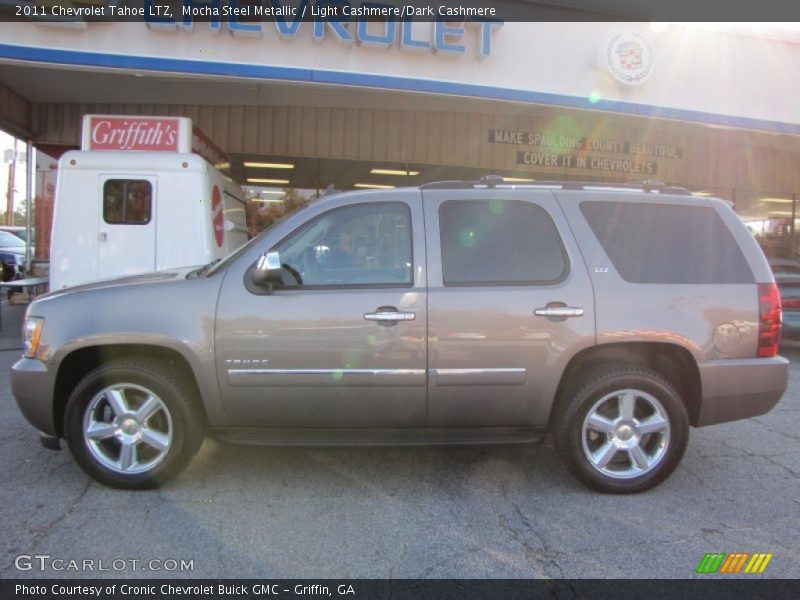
{"x":499,"y":242}
{"x":127,"y":201}
{"x":353,"y":246}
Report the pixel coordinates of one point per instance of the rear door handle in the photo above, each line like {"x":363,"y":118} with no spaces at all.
{"x":559,"y":311}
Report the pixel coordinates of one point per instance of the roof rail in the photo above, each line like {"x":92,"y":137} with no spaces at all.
{"x":494,"y":181}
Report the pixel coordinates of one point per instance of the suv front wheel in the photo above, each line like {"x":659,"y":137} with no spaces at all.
{"x":623,"y":430}
{"x":132,"y":423}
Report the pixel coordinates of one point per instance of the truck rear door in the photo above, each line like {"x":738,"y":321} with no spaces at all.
{"x":509,"y":303}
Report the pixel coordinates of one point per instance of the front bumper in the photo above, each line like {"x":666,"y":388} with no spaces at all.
{"x":15,"y":266}
{"x":741,"y":388}
{"x":32,"y":386}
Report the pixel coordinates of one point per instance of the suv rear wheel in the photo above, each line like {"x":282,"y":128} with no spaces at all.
{"x":623,"y":430}
{"x":131,"y":423}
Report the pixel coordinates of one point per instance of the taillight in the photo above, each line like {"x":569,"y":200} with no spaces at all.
{"x":769,"y":319}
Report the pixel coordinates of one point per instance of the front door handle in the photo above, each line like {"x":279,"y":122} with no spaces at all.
{"x":559,"y":311}
{"x":390,"y":316}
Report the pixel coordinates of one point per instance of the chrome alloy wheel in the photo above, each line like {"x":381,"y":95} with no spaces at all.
{"x":127,"y":428}
{"x":626,"y":434}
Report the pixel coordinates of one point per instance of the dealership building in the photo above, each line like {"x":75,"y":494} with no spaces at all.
{"x":319,"y":105}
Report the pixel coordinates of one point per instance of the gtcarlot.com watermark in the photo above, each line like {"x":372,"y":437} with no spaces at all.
{"x":55,"y":564}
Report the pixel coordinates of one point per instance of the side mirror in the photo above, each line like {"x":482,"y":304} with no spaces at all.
{"x":267,"y":271}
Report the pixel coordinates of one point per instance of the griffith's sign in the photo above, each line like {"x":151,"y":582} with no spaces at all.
{"x":149,"y":134}
{"x":130,"y":133}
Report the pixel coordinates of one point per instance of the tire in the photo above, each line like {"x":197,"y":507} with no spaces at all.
{"x":622,"y":430}
{"x":132,"y":423}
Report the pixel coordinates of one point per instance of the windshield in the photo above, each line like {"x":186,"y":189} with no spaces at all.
{"x":219,"y":266}
{"x":23,"y":235}
{"x":9,"y":240}
{"x":236,"y":253}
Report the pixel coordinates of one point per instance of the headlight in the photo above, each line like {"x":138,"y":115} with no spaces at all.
{"x":31,"y":332}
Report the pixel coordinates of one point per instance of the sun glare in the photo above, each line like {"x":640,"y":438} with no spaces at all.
{"x":780,"y":31}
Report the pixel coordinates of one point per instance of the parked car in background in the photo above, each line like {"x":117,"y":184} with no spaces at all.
{"x":20,"y":232}
{"x":12,"y":255}
{"x":458,"y":312}
{"x":787,"y":276}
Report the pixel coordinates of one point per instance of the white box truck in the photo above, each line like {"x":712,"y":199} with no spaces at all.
{"x":143,"y":194}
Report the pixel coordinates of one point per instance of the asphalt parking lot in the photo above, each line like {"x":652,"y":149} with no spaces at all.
{"x":476,"y":512}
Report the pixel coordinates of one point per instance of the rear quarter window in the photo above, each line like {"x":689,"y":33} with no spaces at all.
{"x":662,"y":243}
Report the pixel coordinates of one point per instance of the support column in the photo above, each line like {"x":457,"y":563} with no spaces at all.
{"x":794,"y":216}
{"x":29,"y":206}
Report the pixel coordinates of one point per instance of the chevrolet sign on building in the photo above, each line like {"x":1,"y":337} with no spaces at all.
{"x":396,"y":28}
{"x":373,"y":95}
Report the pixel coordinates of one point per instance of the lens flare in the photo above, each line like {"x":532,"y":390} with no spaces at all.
{"x":468,"y":238}
{"x":497,"y":207}
{"x":562,"y":135}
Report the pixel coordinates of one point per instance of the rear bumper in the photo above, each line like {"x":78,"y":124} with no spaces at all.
{"x":31,"y":384}
{"x":741,"y":388}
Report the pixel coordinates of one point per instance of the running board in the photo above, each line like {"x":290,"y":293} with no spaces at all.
{"x":376,"y":436}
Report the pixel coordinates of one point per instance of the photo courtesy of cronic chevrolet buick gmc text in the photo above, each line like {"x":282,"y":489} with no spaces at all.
{"x":459,"y":312}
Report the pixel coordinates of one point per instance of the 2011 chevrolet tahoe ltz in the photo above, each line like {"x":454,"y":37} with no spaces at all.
{"x":614,"y":317}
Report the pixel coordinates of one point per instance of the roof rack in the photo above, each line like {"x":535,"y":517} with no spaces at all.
{"x":497,"y":181}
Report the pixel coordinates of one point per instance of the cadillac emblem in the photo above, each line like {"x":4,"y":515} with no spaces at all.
{"x":628,"y":56}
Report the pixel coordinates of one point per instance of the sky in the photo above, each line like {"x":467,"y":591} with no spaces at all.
{"x":778,"y":31}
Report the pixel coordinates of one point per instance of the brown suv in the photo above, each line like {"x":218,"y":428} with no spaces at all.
{"x":459,"y":312}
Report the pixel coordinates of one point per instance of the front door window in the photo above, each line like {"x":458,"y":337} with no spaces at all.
{"x":355,"y":246}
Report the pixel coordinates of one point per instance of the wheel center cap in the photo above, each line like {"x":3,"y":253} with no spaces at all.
{"x":624,"y":432}
{"x":130,"y":426}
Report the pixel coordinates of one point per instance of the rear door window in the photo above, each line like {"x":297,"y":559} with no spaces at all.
{"x":661,"y":243}
{"x":127,"y":201}
{"x":499,"y":242}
